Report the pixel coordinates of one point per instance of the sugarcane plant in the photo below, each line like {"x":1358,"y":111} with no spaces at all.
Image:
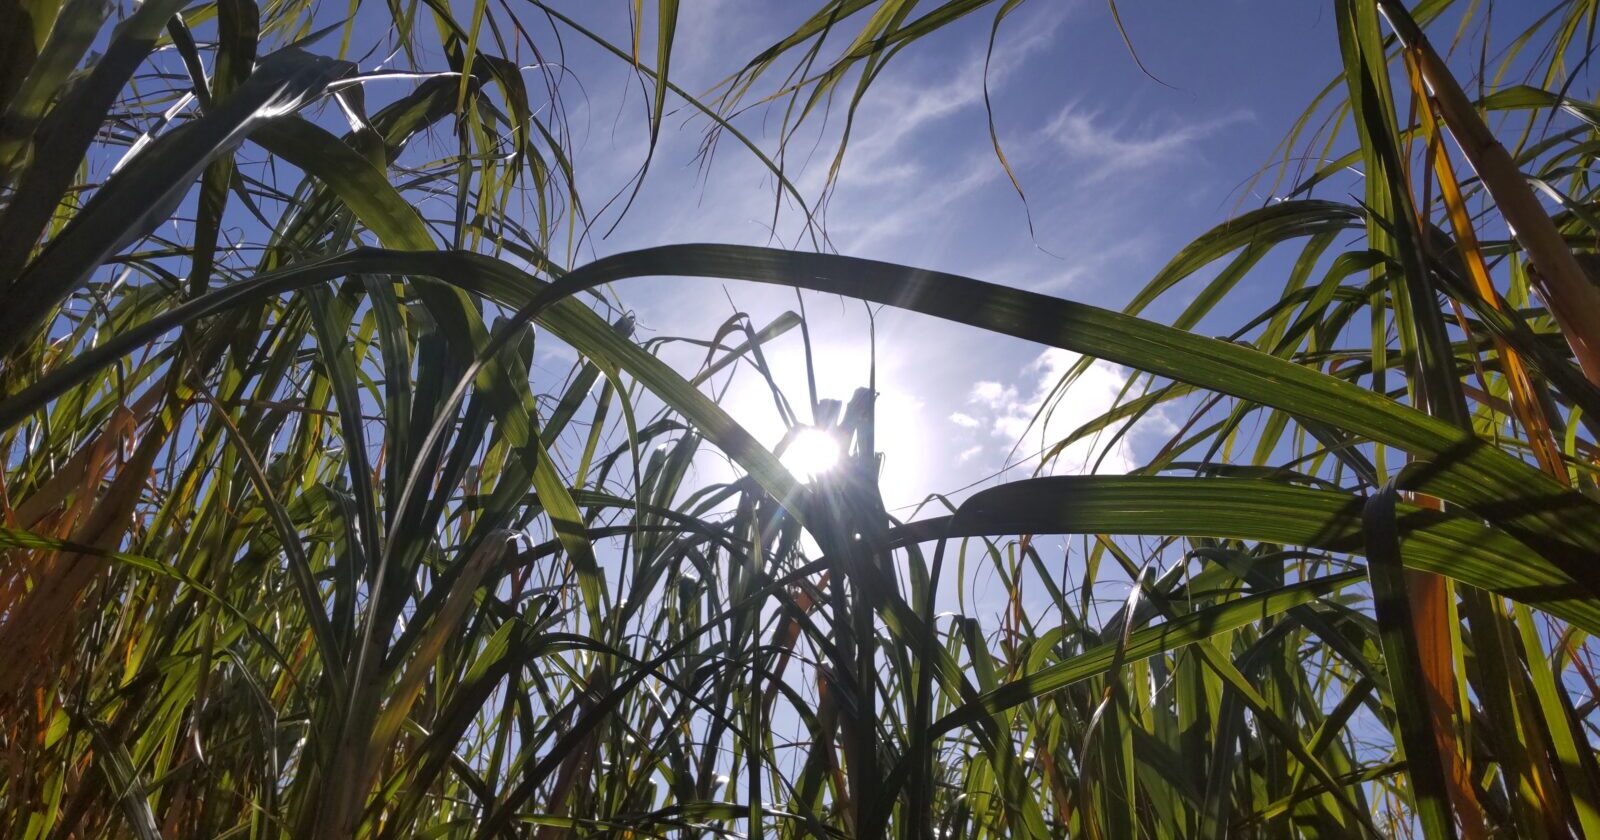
{"x":299,"y":541}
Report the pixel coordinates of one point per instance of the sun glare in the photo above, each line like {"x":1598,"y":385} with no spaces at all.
{"x":811,"y":453}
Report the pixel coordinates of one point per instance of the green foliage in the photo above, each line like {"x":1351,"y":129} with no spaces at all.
{"x":295,"y":541}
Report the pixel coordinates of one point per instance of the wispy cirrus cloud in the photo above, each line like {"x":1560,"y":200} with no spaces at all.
{"x":896,"y":181}
{"x":1110,"y":147}
{"x":900,"y":105}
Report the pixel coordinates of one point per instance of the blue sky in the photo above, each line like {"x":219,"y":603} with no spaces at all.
{"x":1120,"y":171}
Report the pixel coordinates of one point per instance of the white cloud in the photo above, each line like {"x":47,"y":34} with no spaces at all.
{"x":897,"y":184}
{"x":1113,"y":149}
{"x":899,"y":105}
{"x":913,"y":213}
{"x":1031,"y":419}
{"x":964,"y":420}
{"x":992,"y":394}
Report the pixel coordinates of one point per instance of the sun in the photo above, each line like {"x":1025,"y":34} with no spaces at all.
{"x":811,"y":453}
